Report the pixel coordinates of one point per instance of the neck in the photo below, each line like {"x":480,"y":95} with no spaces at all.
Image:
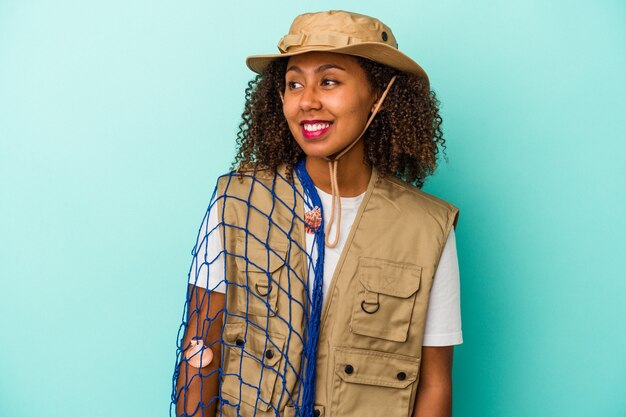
{"x":353,"y":175}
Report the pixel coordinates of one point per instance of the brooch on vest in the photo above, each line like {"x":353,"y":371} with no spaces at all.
{"x":312,"y":220}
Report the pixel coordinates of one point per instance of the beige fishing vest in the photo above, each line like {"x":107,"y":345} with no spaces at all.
{"x":373,"y":318}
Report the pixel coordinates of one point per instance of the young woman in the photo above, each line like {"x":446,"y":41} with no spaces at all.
{"x":324,"y":281}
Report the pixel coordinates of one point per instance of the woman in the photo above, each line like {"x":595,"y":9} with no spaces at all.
{"x":324,"y":282}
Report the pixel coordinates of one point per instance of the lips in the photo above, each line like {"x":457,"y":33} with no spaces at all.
{"x":314,"y":129}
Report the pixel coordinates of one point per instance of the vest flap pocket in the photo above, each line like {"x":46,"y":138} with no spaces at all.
{"x":251,"y":364}
{"x":384,"y":300}
{"x":259,"y":345}
{"x":259,"y":275}
{"x":369,"y":367}
{"x":290,"y":411}
{"x":390,"y":278}
{"x":257,"y":257}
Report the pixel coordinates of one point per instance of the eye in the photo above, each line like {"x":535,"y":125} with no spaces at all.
{"x":329,"y":82}
{"x":293,"y":85}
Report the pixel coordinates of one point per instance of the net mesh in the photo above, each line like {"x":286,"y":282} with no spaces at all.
{"x":248,"y":339}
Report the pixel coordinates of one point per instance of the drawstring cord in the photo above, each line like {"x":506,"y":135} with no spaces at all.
{"x":334,"y":187}
{"x":334,"y":184}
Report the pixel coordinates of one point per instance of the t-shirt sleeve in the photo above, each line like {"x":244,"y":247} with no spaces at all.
{"x":207,"y":267}
{"x":443,"y":319}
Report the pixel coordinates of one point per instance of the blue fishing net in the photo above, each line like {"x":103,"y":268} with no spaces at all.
{"x":259,"y":371}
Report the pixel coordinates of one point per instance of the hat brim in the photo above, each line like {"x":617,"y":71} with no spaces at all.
{"x":375,"y":51}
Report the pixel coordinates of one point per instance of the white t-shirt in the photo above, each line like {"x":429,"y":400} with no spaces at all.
{"x":443,"y":319}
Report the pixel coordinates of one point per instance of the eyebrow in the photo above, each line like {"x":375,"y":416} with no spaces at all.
{"x":319,"y":69}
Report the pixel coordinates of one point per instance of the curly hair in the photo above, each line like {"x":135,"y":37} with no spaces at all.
{"x":403,"y":139}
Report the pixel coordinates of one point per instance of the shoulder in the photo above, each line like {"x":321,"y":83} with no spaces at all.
{"x":260,"y":185}
{"x":243,"y":177}
{"x":417,"y":194}
{"x":250,"y":172}
{"x":414,"y":198}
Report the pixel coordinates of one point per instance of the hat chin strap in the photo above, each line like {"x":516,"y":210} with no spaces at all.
{"x":332,"y":166}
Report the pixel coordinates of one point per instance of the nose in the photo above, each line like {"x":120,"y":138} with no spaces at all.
{"x":309,"y":99}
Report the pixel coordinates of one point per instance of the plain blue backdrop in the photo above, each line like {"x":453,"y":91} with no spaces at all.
{"x":117,"y":116}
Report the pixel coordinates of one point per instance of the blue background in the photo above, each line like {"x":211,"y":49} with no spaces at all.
{"x":117,"y":116}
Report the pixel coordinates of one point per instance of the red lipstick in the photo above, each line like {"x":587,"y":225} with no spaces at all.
{"x":314,"y":129}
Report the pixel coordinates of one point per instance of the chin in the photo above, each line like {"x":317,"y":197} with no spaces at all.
{"x":313,"y":151}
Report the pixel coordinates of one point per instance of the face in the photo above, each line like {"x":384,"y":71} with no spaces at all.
{"x":326,"y":102}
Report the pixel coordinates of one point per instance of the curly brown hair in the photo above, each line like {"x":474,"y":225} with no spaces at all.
{"x":403,"y":139}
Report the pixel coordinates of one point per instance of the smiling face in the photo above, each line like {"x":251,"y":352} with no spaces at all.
{"x":326,"y":102}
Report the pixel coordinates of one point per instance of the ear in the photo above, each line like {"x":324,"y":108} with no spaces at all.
{"x":282,"y":98}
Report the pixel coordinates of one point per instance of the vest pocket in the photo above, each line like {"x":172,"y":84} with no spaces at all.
{"x":290,"y":411}
{"x":371,"y":383}
{"x":260,"y":270}
{"x":251,"y":364}
{"x":385,"y":298}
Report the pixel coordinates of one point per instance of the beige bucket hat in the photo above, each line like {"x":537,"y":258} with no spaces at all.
{"x":341,"y":32}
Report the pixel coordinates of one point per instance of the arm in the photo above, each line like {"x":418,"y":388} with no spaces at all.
{"x":434,"y":391}
{"x":194,"y":387}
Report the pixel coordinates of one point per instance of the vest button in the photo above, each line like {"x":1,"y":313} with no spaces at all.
{"x":317,"y":412}
{"x":239,"y":342}
{"x":401,"y":376}
{"x":269,"y":354}
{"x":349,"y":369}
